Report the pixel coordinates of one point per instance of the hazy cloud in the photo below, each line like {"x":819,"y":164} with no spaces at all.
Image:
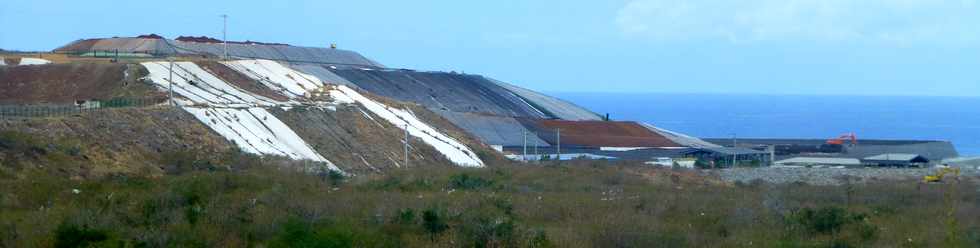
{"x":896,"y":21}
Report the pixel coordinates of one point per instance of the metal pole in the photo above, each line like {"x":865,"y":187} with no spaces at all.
{"x":772,"y":155}
{"x":558,"y":135}
{"x":171,"y":88}
{"x":734,"y":149}
{"x":538,"y":158}
{"x":406,"y":144}
{"x":224,"y":36}
{"x":523,"y":132}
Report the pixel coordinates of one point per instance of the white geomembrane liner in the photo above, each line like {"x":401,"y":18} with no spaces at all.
{"x":200,"y":87}
{"x":234,"y":113}
{"x":256,"y":131}
{"x":276,"y":76}
{"x":451,"y":148}
{"x":34,"y":61}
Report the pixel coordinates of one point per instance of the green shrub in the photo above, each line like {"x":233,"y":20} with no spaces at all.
{"x":827,"y":220}
{"x":405,"y":217}
{"x":434,"y":223}
{"x":539,"y":239}
{"x":68,"y":235}
{"x":297,"y":233}
{"x":466,"y":182}
{"x":184,"y":161}
{"x":832,"y":220}
{"x":336,"y":178}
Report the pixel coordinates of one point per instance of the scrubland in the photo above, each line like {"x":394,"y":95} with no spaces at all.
{"x":237,"y":200}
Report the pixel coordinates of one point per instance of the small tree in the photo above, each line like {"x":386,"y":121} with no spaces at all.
{"x":433,"y":223}
{"x":336,"y":178}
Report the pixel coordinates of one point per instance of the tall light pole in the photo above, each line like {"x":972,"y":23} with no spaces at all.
{"x":558,"y":138}
{"x":524,"y":132}
{"x":224,"y":36}
{"x":406,"y":144}
{"x":171,"y":86}
{"x":734,"y":149}
{"x":536,"y":156}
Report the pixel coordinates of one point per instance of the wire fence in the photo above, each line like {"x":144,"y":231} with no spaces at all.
{"x":60,"y":110}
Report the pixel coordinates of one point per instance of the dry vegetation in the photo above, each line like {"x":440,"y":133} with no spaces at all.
{"x":236,"y":200}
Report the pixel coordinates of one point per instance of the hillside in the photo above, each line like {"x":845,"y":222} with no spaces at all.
{"x":304,"y":103}
{"x":154,"y":142}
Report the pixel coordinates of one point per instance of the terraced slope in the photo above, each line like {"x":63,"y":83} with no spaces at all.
{"x":442,"y":91}
{"x":246,"y":118}
{"x":489,"y":109}
{"x":484,"y":107}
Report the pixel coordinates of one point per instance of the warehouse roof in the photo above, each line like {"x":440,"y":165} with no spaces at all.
{"x":903,"y":157}
{"x":820,"y":161}
{"x":599,"y":133}
{"x":729,"y":151}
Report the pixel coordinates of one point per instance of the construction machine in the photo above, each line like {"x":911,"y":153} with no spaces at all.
{"x":844,"y":138}
{"x":941,"y":174}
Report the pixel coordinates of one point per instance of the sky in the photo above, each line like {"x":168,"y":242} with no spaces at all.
{"x":820,"y":47}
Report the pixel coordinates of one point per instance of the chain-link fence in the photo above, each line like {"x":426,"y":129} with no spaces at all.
{"x":55,"y":110}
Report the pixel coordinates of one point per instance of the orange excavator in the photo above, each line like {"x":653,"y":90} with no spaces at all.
{"x":844,"y":138}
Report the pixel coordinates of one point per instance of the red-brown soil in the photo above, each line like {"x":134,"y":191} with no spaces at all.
{"x":67,"y":83}
{"x":205,"y":39}
{"x":82,"y":45}
{"x":605,"y":134}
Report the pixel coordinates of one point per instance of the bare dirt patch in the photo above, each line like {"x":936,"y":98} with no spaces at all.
{"x":118,"y":141}
{"x":67,"y":83}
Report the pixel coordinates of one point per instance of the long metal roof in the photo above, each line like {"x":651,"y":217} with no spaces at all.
{"x":820,"y":161}
{"x":895,"y":157}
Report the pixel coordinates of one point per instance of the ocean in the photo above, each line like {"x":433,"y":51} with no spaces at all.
{"x":955,"y":119}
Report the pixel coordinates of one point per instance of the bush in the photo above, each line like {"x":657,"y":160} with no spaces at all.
{"x":489,"y":232}
{"x":433,"y":223}
{"x":826,"y":220}
{"x":336,"y":178}
{"x":180,"y":162}
{"x":832,"y":221}
{"x":68,"y":235}
{"x":297,"y":233}
{"x":405,"y":217}
{"x":466,"y":182}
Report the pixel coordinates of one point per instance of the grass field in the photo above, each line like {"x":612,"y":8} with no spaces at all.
{"x":237,"y":200}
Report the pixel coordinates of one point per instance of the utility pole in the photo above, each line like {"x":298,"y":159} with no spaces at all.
{"x":558,"y":135}
{"x":171,"y":86}
{"x":734,"y":149}
{"x":224,"y":36}
{"x":772,"y":155}
{"x":524,"y":132}
{"x":536,"y":156}
{"x":406,"y":144}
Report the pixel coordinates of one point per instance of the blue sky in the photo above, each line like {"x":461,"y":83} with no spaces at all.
{"x":868,"y":47}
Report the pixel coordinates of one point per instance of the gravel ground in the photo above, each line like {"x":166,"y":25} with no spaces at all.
{"x":826,"y":176}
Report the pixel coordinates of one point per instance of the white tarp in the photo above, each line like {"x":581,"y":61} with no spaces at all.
{"x":33,"y":61}
{"x":256,"y":131}
{"x":451,"y":148}
{"x":277,"y":77}
{"x":200,"y":87}
{"x":234,"y":113}
{"x":241,"y":117}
